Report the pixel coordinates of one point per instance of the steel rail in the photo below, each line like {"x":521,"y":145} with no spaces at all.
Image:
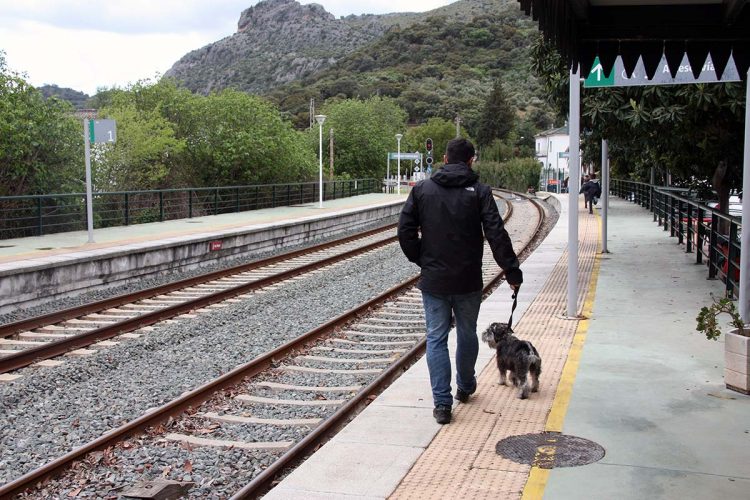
{"x":113,"y":302}
{"x":250,"y":369}
{"x":262,"y":482}
{"x":57,"y":348}
{"x":199,"y":395}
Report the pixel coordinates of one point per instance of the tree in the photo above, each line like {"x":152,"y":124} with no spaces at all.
{"x":142,"y":157}
{"x":241,"y":139}
{"x":41,"y":144}
{"x":438,"y":129}
{"x":516,"y":174}
{"x":694,"y":131}
{"x":171,"y":137}
{"x":497,"y":119}
{"x":364,"y":132}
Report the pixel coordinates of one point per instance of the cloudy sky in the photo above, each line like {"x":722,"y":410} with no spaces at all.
{"x":87,"y":44}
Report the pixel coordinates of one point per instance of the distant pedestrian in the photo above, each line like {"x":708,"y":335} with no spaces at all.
{"x":591,"y":190}
{"x":583,"y":182}
{"x":441,"y":230}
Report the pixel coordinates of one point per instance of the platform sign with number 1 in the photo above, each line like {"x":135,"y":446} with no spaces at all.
{"x":97,"y":132}
{"x":102,"y":131}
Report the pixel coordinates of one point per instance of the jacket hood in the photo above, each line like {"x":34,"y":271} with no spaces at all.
{"x":455,"y":175}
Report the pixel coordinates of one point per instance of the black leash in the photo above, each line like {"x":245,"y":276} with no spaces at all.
{"x":515,"y":303}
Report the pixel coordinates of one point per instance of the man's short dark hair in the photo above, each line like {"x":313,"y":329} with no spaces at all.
{"x":459,"y":150}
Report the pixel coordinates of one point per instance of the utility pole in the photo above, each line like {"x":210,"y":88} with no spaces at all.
{"x":312,"y":112}
{"x":330,"y":154}
{"x":458,"y":126}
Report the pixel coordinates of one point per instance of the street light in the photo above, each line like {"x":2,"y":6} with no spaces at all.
{"x":320,"y":119}
{"x":398,"y":159}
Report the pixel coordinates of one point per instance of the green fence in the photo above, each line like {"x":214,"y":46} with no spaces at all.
{"x":22,"y":216}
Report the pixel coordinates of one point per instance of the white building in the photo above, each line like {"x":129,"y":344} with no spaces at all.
{"x":552,"y":153}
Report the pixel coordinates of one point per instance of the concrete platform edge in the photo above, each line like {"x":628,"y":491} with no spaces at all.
{"x":26,"y":279}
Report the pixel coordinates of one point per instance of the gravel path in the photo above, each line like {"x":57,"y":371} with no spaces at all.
{"x":85,"y":397}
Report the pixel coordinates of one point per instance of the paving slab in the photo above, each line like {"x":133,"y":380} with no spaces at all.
{"x":354,"y":469}
{"x":414,"y":427}
{"x":649,"y":388}
{"x":627,"y":481}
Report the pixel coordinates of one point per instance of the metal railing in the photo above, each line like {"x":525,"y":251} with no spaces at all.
{"x":713,"y":236}
{"x":22,"y":216}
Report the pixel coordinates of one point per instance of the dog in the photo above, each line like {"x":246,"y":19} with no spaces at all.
{"x":518,"y":356}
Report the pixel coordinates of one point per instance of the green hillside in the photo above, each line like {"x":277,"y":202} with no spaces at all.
{"x":441,"y":67}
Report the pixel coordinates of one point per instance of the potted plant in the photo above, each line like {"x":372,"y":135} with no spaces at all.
{"x":736,"y":343}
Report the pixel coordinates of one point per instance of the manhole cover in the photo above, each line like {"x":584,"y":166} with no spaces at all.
{"x":549,"y":450}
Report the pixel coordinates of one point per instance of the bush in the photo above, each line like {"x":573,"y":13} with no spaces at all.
{"x":516,"y":174}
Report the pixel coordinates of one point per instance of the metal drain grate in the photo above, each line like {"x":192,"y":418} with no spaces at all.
{"x":549,"y":450}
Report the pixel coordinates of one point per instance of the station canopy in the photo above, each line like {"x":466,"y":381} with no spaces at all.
{"x":649,"y":29}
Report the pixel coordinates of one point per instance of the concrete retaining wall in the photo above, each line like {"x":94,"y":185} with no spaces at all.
{"x":77,"y":272}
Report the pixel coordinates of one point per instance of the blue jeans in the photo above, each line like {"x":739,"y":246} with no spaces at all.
{"x":437,"y":309}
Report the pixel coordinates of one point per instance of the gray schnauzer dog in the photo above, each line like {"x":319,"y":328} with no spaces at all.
{"x":518,"y":356}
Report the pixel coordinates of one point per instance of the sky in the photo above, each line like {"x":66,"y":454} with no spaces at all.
{"x":89,"y":44}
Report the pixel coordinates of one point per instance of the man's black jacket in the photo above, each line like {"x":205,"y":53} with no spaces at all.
{"x":591,"y":188}
{"x":451,"y":209}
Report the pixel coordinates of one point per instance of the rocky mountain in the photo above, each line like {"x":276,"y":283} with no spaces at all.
{"x":277,"y":41}
{"x":76,"y":98}
{"x":440,"y":63}
{"x":281,"y":41}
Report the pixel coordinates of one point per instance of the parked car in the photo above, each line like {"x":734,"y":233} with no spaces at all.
{"x":735,"y":206}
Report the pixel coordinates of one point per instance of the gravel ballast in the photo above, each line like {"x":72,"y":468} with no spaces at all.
{"x":88,"y":396}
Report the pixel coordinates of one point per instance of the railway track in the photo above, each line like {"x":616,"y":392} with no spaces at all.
{"x":339,"y":365}
{"x":39,"y":339}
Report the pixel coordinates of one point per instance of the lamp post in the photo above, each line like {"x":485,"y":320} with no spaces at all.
{"x":398,"y":159}
{"x":320,"y":119}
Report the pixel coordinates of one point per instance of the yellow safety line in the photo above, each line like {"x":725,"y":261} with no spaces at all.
{"x":538,"y":477}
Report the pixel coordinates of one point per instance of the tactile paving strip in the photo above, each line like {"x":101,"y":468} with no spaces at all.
{"x":462,"y":462}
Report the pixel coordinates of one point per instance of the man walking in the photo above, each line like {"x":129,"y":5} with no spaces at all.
{"x":583,"y":183}
{"x":451,"y":209}
{"x":591,"y":190}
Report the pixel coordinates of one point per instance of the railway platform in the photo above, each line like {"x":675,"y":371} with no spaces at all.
{"x":631,"y":377}
{"x":63,"y":262}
